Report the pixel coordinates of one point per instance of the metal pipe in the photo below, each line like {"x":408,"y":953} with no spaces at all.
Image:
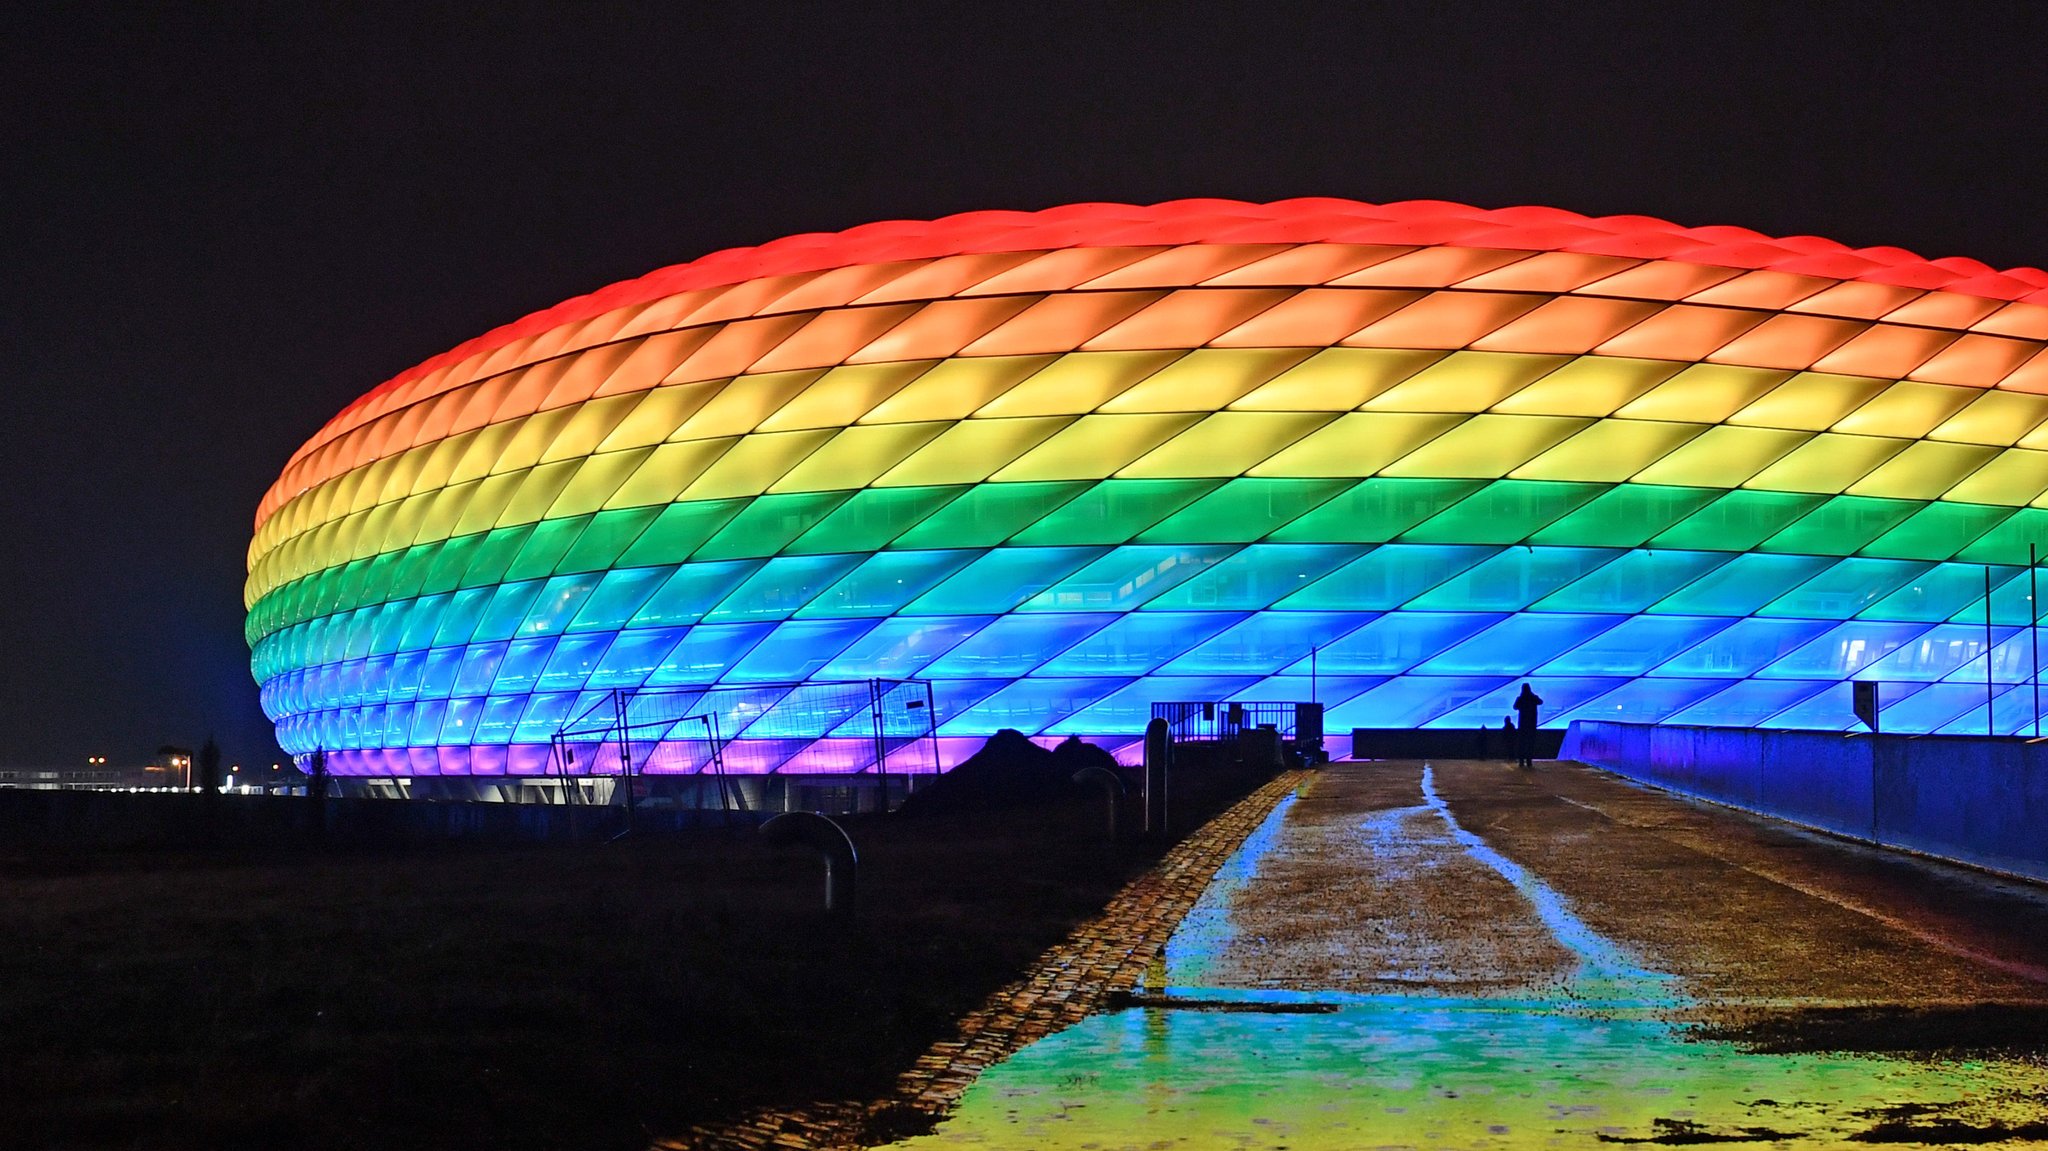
{"x":830,"y":841}
{"x":1158,"y":758}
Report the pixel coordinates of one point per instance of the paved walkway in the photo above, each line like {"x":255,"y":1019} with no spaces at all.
{"x":1459,"y":954}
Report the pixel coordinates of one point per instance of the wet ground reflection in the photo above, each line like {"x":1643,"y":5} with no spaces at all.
{"x":1403,"y":1072}
{"x":1600,"y":1054}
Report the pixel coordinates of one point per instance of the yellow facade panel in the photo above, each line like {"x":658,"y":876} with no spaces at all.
{"x":659,"y":414}
{"x":1225,"y":444}
{"x":1357,"y":444}
{"x":444,"y":510}
{"x":970,"y":450}
{"x":1610,"y":451}
{"x":485,"y":450}
{"x":668,"y":470}
{"x":1703,"y":394}
{"x":589,"y":424}
{"x":1809,"y":401}
{"x":749,"y":466}
{"x":1205,"y":380}
{"x":1486,"y":447}
{"x":2014,"y":477}
{"x":1722,"y":457}
{"x":955,"y":389}
{"x":1093,"y":447}
{"x":543,"y":486}
{"x":1828,"y":463}
{"x":1465,"y":382}
{"x":2000,"y":418}
{"x":1907,"y":410}
{"x":535,"y":433}
{"x":1588,"y":386}
{"x":596,"y":481}
{"x":1924,"y":471}
{"x":1336,"y":380}
{"x":856,"y":456}
{"x":742,"y":403}
{"x":1077,"y":383}
{"x":843,"y":395}
{"x":485,"y":508}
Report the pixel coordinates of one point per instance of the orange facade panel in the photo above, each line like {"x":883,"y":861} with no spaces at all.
{"x":1308,"y":264}
{"x":1977,"y":360}
{"x":1568,"y":325}
{"x":1762,"y":289}
{"x":1788,"y":342}
{"x":735,"y":347}
{"x":1444,"y":320}
{"x":1887,"y":351}
{"x":1183,"y":266}
{"x":1059,"y":323}
{"x":2031,"y":376}
{"x":1682,"y":332}
{"x":1550,"y":272}
{"x":941,"y":328}
{"x":1945,"y":310}
{"x":1058,"y":271}
{"x":1192,"y":316}
{"x":832,"y":336}
{"x":945,"y":277}
{"x":2027,"y":321}
{"x":1436,"y":267}
{"x":1314,"y":318}
{"x":1855,"y":300}
{"x":1660,"y":280}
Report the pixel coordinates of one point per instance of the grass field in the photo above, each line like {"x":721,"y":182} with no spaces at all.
{"x":585,"y":996}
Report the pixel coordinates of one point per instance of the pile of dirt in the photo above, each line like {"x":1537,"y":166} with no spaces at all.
{"x":1009,"y":771}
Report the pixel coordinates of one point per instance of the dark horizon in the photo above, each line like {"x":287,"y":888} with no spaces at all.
{"x":231,"y":222}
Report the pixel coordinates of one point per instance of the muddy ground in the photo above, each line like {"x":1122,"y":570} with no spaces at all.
{"x":1784,"y":938}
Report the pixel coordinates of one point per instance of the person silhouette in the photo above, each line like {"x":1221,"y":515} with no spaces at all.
{"x":1525,"y":726}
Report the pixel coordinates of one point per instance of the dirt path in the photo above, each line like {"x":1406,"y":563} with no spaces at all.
{"x":1746,"y":910}
{"x":1367,"y":891}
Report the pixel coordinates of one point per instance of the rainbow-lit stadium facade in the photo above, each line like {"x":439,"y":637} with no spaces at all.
{"x":1064,"y":464}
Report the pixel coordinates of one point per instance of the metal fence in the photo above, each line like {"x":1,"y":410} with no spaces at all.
{"x":812,"y":728}
{"x":1205,"y":721}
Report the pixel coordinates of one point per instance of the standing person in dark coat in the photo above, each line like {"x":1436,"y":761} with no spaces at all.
{"x":1525,"y":726}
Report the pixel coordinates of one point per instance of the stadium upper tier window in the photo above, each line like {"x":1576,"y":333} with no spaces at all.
{"x":1065,"y":464}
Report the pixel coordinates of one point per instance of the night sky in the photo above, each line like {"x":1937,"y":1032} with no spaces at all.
{"x":222,"y":224}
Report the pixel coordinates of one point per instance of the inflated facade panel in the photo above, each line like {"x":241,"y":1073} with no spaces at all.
{"x":1068,"y":463}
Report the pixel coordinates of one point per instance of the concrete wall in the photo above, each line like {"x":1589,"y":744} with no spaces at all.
{"x":1973,"y":800}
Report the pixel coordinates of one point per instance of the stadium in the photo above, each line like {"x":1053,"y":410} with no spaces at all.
{"x":850,"y":503}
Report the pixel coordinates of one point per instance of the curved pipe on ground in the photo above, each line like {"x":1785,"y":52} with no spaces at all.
{"x":828,"y":839}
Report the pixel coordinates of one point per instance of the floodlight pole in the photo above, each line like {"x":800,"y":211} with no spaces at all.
{"x":2034,"y":628}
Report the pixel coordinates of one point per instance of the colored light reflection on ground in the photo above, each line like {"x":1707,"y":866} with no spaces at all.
{"x":1602,"y":1057}
{"x":1417,"y":1073}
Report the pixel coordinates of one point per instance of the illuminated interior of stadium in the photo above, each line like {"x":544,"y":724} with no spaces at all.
{"x":1063,"y":464}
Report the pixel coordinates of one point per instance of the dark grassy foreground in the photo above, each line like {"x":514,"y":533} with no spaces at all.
{"x":588,"y":996}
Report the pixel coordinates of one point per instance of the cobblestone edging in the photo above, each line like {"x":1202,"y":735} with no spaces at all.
{"x":1073,"y":980}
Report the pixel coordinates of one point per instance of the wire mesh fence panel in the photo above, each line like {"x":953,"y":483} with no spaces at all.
{"x":823,"y":728}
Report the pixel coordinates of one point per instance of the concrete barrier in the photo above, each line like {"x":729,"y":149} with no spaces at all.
{"x":1973,"y":800}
